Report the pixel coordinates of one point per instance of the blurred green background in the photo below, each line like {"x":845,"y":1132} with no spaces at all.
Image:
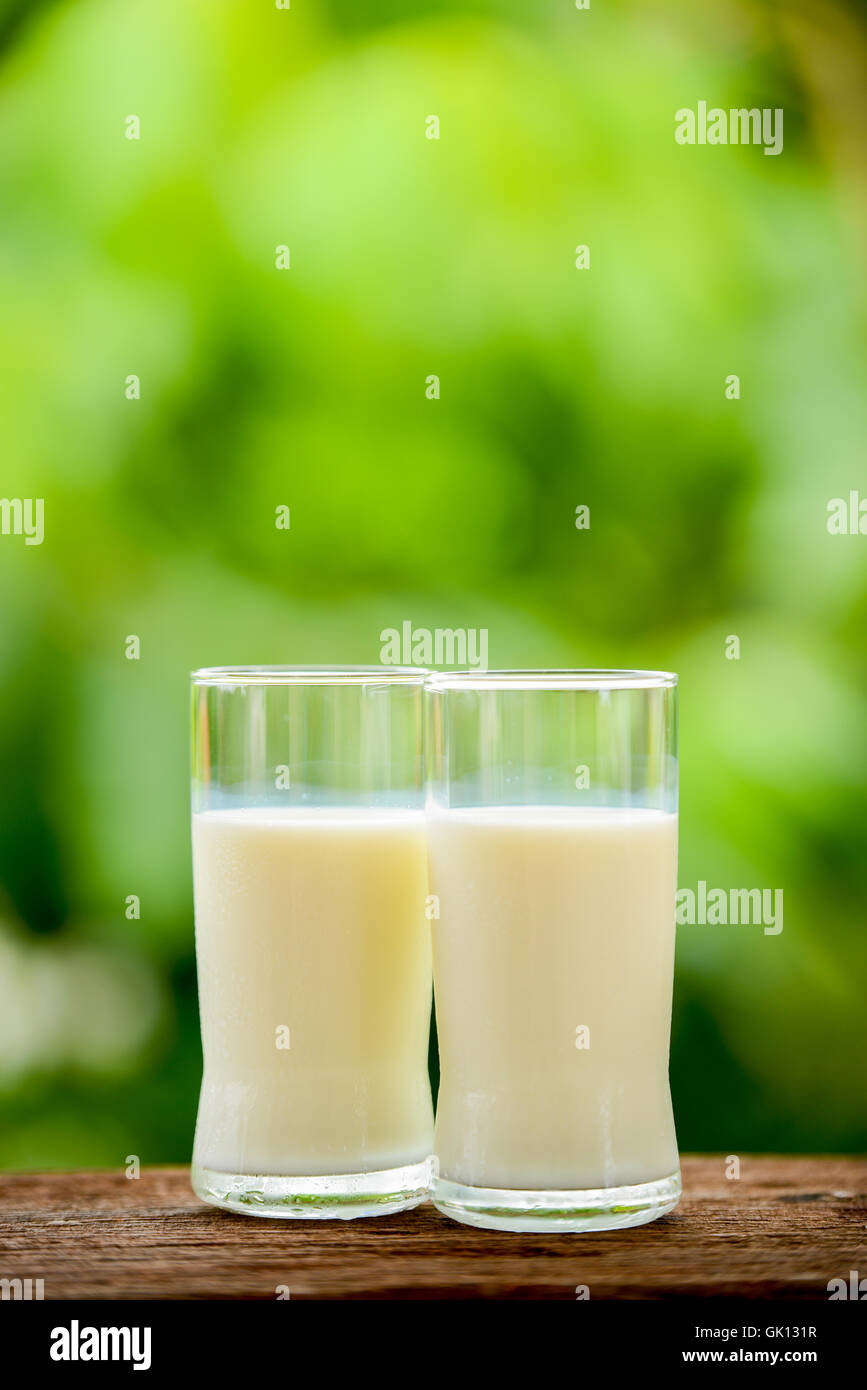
{"x":306,"y":388}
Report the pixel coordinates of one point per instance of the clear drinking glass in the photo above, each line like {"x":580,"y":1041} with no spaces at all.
{"x":312,"y":940}
{"x":552,"y":829}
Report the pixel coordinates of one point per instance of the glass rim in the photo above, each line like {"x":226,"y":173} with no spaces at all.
{"x":578,"y":679}
{"x":309,"y":675}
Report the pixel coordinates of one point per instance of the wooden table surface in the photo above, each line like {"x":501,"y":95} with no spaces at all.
{"x":782,"y":1230}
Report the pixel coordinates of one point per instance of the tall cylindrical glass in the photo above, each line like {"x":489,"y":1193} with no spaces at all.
{"x":552,"y":826}
{"x":312,"y":940}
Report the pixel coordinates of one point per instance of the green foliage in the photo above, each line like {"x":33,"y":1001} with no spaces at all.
{"x":306,"y":387}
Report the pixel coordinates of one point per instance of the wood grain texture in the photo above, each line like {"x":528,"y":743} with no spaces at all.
{"x":785,"y":1228}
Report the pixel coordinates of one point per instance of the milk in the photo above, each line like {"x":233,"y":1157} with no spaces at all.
{"x":553,"y":960}
{"x":315,"y":989}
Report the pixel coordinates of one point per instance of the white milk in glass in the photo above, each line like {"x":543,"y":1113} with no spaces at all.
{"x":311,"y":931}
{"x":553,"y":960}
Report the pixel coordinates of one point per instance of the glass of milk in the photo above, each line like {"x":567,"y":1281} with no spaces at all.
{"x":552,"y":828}
{"x":312,"y":940}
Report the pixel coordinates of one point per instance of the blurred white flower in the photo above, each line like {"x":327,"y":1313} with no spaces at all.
{"x":67,"y":1003}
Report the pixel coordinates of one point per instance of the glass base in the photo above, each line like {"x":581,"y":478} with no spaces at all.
{"x":590,"y":1209}
{"x":323,"y":1198}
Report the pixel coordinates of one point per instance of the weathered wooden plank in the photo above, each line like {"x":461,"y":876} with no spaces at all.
{"x":782,"y":1230}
